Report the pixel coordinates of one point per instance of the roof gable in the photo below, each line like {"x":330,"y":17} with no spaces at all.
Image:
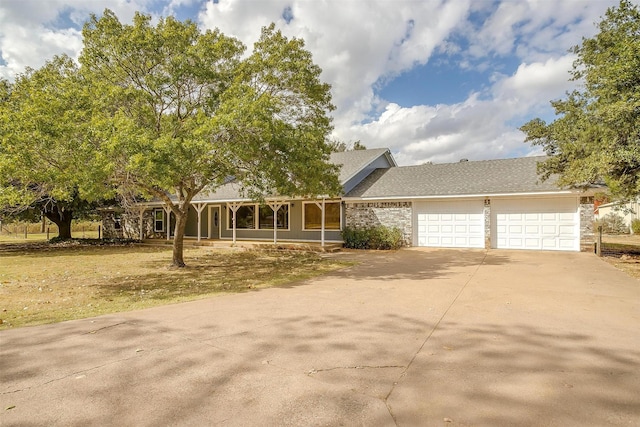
{"x":352,"y":162}
{"x":354,"y":165}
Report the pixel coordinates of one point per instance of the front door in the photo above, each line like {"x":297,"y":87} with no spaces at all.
{"x":214,"y":222}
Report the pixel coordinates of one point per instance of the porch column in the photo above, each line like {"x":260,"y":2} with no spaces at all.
{"x":275,"y":206}
{"x":322,"y":226}
{"x":234,"y":206}
{"x":199,"y":208}
{"x":141,"y":219}
{"x":168,"y":213}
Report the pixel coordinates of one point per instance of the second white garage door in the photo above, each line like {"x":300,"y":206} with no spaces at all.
{"x":450,"y":224}
{"x":547,"y":224}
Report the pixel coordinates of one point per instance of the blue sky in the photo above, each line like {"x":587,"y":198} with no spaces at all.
{"x":433,"y":80}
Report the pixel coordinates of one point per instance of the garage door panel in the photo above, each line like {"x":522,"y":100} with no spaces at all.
{"x":550,"y":224}
{"x":476,"y":229}
{"x":450,"y":224}
{"x":566,"y":229}
{"x":567,"y":244}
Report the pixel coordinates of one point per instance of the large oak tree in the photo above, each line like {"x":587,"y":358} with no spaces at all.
{"x":597,"y":134}
{"x":48,"y":156}
{"x":180,"y":111}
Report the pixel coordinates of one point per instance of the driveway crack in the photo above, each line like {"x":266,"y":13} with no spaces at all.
{"x":315,"y":371}
{"x":428,"y":337}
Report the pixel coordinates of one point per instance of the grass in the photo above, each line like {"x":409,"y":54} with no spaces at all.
{"x":630,"y":264}
{"x":42,"y":283}
{"x":42,"y":237}
{"x":623,"y":252}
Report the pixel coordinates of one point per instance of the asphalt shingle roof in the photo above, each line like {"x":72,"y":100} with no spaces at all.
{"x":351,"y":163}
{"x":505,"y":176}
{"x":354,"y":161}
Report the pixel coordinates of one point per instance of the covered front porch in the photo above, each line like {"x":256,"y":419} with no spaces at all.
{"x":275,"y":222}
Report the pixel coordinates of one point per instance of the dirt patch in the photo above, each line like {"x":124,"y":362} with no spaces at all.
{"x":629,"y":263}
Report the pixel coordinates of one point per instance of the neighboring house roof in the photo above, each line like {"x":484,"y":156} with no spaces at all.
{"x":507,"y":176}
{"x":351,"y":164}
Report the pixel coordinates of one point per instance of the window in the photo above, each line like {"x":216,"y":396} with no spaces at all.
{"x":313,"y":216}
{"x":158,"y":220}
{"x":266,"y":218}
{"x":245,"y":217}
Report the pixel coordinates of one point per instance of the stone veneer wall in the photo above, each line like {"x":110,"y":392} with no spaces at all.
{"x":112,"y":225}
{"x":587,"y":235}
{"x":132,"y":227}
{"x":487,"y":223}
{"x":390,"y":214}
{"x":128,"y":225}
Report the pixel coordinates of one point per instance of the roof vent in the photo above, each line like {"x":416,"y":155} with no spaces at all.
{"x":464,"y":160}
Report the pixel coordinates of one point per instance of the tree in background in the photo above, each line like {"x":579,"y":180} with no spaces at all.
{"x":48,"y":158}
{"x":179,"y":111}
{"x":339,"y":146}
{"x":597,"y":136}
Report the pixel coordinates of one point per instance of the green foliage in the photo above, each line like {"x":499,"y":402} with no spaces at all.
{"x":179,"y":111}
{"x":613,"y":224}
{"x":597,"y":134}
{"x":379,"y":237}
{"x":635,"y":226}
{"x":48,"y":153}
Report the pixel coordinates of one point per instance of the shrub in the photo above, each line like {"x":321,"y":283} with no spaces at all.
{"x":379,"y":237}
{"x":635,"y":226}
{"x":614,"y":224}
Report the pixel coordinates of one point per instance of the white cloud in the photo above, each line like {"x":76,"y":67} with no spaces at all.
{"x":537,"y":82}
{"x":30,"y":32}
{"x":360,"y":45}
{"x":356,"y":43}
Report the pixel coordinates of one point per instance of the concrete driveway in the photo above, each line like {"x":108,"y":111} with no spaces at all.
{"x":412,"y":338}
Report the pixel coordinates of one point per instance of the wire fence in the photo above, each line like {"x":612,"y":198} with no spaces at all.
{"x":44,"y":231}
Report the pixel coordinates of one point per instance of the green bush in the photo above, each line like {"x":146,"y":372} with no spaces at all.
{"x":614,"y":224}
{"x":379,"y":237}
{"x":635,"y":226}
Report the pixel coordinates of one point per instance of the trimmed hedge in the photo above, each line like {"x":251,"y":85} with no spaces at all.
{"x":379,"y":237}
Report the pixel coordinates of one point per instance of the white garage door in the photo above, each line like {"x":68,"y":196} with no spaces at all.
{"x":451,"y":224}
{"x":543,"y":224}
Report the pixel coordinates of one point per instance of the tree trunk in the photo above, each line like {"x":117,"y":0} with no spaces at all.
{"x":61,"y":218}
{"x":178,"y":238}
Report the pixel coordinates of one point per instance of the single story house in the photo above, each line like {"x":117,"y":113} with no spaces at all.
{"x":468,"y":204}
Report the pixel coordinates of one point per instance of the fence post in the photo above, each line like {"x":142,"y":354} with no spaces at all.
{"x":99,"y":230}
{"x":25,"y":231}
{"x":599,"y":241}
{"x":47,"y":233}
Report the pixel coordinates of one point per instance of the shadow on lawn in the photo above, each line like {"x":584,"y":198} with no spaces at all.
{"x":74,"y":247}
{"x":216,"y":272}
